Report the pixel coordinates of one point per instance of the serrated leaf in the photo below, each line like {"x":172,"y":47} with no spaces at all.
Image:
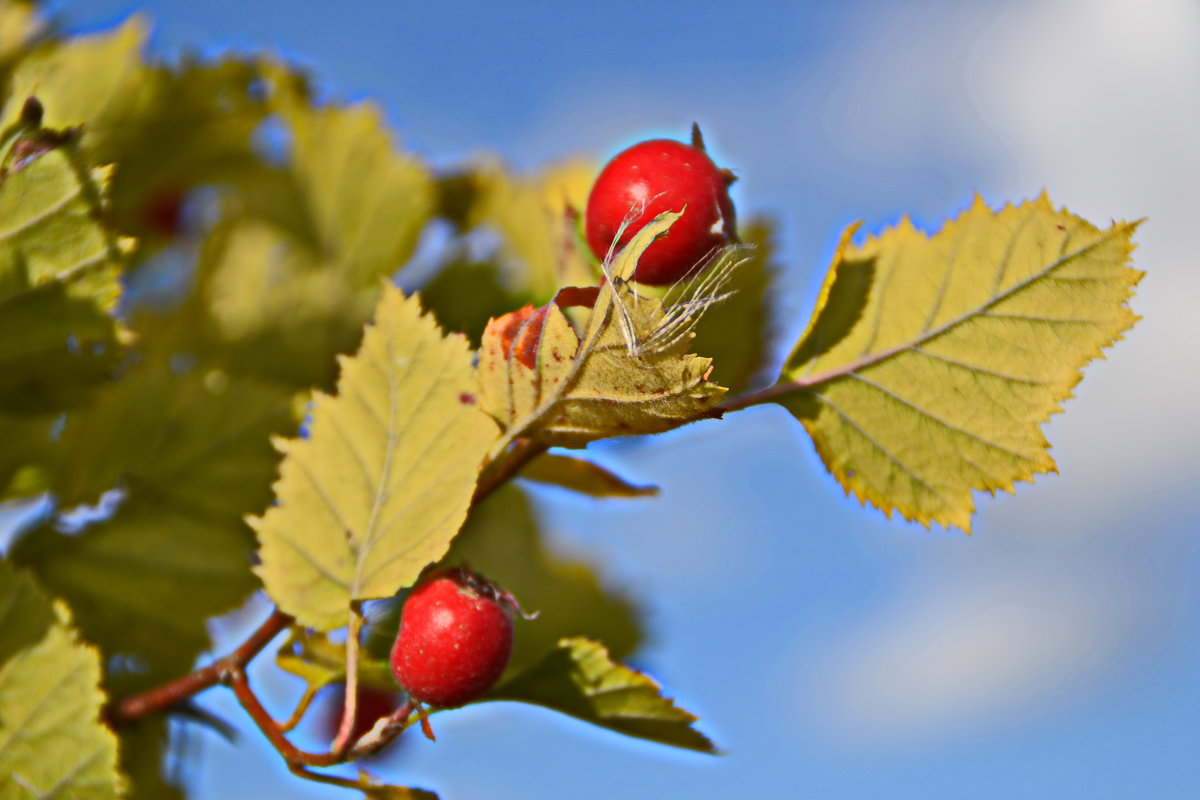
{"x":385,"y":477}
{"x":539,"y":245}
{"x":502,"y":540}
{"x":143,"y":582}
{"x":51,"y":740}
{"x":628,"y":373}
{"x":58,"y":283}
{"x":580,"y":679}
{"x":585,"y":477}
{"x":931,"y":362}
{"x":93,"y":80}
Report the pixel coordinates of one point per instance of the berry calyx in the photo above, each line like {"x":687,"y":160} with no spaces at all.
{"x":653,"y":177}
{"x":455,"y":639}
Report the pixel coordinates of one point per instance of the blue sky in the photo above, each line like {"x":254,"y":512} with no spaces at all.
{"x":1056,"y":652}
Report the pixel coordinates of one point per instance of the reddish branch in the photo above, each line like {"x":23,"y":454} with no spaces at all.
{"x":231,"y":669}
{"x":178,"y":690}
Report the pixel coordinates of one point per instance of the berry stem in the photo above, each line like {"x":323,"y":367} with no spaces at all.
{"x":350,"y":703}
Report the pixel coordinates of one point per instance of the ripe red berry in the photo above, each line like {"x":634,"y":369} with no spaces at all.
{"x":653,"y":177}
{"x":456,"y":635}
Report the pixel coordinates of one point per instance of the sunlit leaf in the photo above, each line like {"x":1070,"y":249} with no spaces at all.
{"x":503,"y":541}
{"x":582,"y":476}
{"x":579,"y":678}
{"x":52,"y":743}
{"x":384,"y":479}
{"x":931,"y":363}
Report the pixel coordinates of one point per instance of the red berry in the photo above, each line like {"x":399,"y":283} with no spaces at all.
{"x":653,"y":177}
{"x":456,"y":635}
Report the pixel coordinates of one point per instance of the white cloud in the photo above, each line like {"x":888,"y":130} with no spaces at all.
{"x":1094,"y":101}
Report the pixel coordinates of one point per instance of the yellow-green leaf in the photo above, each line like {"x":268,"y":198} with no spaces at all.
{"x":582,"y":476}
{"x":931,"y":362}
{"x":384,"y":479}
{"x":579,"y":678}
{"x":52,"y":742}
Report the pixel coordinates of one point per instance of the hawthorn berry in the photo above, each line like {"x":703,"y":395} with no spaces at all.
{"x":653,"y":177}
{"x":456,"y":635}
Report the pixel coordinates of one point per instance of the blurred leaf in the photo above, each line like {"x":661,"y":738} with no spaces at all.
{"x":271,"y":311}
{"x":28,"y":448}
{"x":736,"y":332}
{"x":54,"y":348}
{"x":580,"y":679}
{"x":502,"y":541}
{"x":51,"y":740}
{"x":58,"y":283}
{"x":539,"y":241}
{"x":193,"y":125}
{"x":628,"y":373}
{"x":582,"y":476}
{"x":464,"y":295}
{"x":25,"y":613}
{"x":20,"y":25}
{"x":931,"y":362}
{"x":366,"y":202}
{"x":95,"y":80}
{"x":384,"y":480}
{"x":198,"y":440}
{"x":143,"y":582}
{"x":397,"y":793}
{"x":319,"y":662}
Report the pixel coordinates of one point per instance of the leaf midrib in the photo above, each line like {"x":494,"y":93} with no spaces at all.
{"x":809,"y":382}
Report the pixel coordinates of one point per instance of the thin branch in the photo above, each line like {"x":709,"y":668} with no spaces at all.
{"x":174,"y":692}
